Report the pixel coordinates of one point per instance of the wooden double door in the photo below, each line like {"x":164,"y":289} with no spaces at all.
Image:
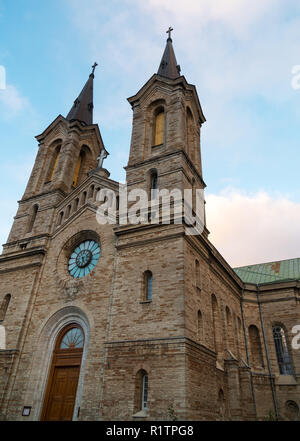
{"x":63,"y":377}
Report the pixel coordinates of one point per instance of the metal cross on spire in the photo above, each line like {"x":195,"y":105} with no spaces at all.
{"x":94,"y":67}
{"x":169,"y":31}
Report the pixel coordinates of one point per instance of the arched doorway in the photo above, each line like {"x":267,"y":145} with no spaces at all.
{"x":64,"y":374}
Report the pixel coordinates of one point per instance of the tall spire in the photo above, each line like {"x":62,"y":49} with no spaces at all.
{"x":82,"y":109}
{"x":168,"y":66}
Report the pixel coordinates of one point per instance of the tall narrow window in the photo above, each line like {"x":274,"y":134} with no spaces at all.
{"x":282,"y":352}
{"x":215,"y":317}
{"x":32,"y":218}
{"x":83,"y":198}
{"x":154,"y":184}
{"x":148,"y":279}
{"x":60,"y":218}
{"x":229,"y":329}
{"x":197,"y":270}
{"x":200,"y":327}
{"x":159,"y":128}
{"x":97,"y":194}
{"x":54,"y":163}
{"x":4,"y":306}
{"x":190,"y":134}
{"x":141,"y":391}
{"x":144,"y":392}
{"x":77,"y":169}
{"x":92,"y":188}
{"x":255,"y":347}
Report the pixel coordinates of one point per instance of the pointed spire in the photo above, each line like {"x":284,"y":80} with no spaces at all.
{"x":168,"y":66}
{"x":82,"y":109}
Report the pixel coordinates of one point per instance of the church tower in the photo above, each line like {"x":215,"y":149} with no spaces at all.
{"x":68,"y":149}
{"x":167,"y":119}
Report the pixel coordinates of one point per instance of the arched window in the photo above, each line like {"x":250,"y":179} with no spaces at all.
{"x":32,"y":218}
{"x":53,"y":163}
{"x":144,"y":392}
{"x":141,"y":391}
{"x":83,"y":200}
{"x":148,"y":279}
{"x":153,"y":184}
{"x":190,"y":134}
{"x":255,"y":347}
{"x":291,"y":411}
{"x":76,"y":203}
{"x":72,"y":339}
{"x":68,"y":211}
{"x":97,"y":194}
{"x":78,"y":169}
{"x":92,"y":188}
{"x":229,"y":329}
{"x":215,"y":317}
{"x":159,"y":127}
{"x":4,"y":306}
{"x":200,"y":327}
{"x":282,"y":352}
{"x":60,"y":218}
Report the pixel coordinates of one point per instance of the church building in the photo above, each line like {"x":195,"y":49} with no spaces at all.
{"x":123,"y":321}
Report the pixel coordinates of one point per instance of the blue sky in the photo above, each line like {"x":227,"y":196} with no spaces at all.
{"x":238,"y":54}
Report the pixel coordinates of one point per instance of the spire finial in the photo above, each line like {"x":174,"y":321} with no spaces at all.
{"x":169,"y":32}
{"x":82,"y":109}
{"x":168,"y":66}
{"x":94,"y":67}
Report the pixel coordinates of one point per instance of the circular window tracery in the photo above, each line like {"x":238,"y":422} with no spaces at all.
{"x":84,"y":258}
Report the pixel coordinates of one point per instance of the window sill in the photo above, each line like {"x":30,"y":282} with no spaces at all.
{"x":286,"y":380}
{"x":158,"y":145}
{"x":145,"y":301}
{"x":140,"y":414}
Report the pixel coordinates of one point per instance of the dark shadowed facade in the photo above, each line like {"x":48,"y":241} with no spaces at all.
{"x":107,"y":322}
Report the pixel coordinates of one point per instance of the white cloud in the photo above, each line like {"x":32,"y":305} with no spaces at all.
{"x":11,"y":101}
{"x":248,"y":229}
{"x":239,"y":15}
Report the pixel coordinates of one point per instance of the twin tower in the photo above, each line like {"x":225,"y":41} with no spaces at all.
{"x":106,"y":314}
{"x":164,"y":151}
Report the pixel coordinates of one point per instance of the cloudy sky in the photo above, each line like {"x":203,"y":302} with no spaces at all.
{"x":239,"y":54}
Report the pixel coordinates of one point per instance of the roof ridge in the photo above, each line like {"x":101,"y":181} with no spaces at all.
{"x":265,"y":263}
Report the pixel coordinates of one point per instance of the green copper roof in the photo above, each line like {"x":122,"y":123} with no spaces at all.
{"x":270,"y":272}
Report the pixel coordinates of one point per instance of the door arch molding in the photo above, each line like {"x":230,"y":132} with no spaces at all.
{"x":62,"y":383}
{"x":42,"y":356}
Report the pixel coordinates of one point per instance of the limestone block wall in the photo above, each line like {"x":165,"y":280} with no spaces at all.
{"x":164,"y":362}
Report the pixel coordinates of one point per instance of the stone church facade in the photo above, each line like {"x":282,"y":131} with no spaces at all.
{"x":137,"y":321}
